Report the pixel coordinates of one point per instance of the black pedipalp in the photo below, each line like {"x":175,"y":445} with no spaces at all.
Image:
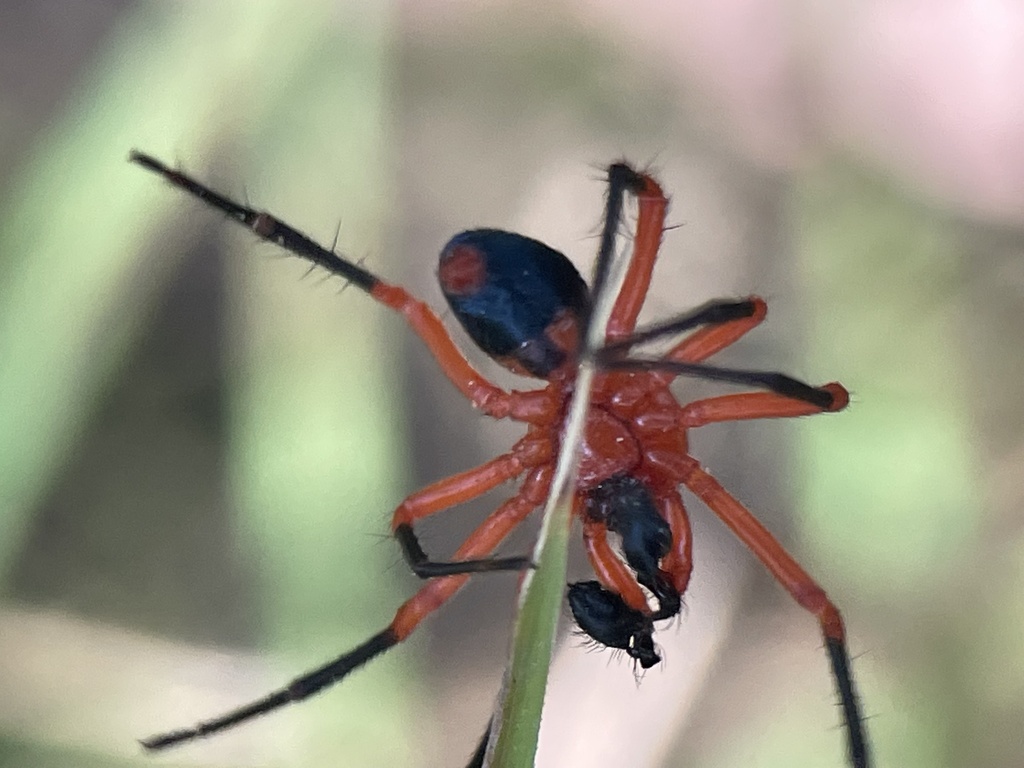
{"x":624,"y":505}
{"x":605,"y":617}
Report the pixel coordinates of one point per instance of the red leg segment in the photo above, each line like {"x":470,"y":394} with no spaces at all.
{"x":649,"y":227}
{"x":800,"y":586}
{"x":534,"y":407}
{"x":756,"y":405}
{"x":678,"y":562}
{"x":702,"y":344}
{"x":480,"y":543}
{"x":751,"y":532}
{"x":610,"y":570}
{"x":467,"y":485}
{"x":531,"y":451}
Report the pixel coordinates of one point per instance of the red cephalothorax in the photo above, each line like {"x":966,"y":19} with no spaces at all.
{"x":526,"y":306}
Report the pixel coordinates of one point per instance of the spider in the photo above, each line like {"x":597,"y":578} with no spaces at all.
{"x":526,"y":306}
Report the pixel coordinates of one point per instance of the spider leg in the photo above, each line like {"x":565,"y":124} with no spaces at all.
{"x":453,"y":490}
{"x":609,"y":568}
{"x":825,"y":398}
{"x":484,"y":395}
{"x":667,"y":580}
{"x":800,"y":586}
{"x":621,"y":179}
{"x":432,"y":596}
{"x":426,"y":568}
{"x":300,"y":688}
{"x":679,"y":561}
{"x":757,"y":405}
{"x":703,"y":343}
{"x":480,"y":543}
{"x":716,"y":313}
{"x":650,"y":225}
{"x":613,"y":611}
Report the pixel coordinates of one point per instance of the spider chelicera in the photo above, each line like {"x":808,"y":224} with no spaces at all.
{"x":525,"y":305}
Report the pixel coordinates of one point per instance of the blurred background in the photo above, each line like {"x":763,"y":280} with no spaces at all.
{"x":201,"y":445}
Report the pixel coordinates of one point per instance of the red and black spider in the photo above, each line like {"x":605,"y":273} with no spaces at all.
{"x":526,"y":306}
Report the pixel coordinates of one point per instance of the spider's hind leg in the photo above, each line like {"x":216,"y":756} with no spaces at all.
{"x":807,"y":593}
{"x":604,"y":616}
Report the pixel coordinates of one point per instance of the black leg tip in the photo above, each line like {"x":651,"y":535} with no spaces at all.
{"x":839,"y":657}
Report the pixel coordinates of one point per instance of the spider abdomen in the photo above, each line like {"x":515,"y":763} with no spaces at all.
{"x":521,"y":301}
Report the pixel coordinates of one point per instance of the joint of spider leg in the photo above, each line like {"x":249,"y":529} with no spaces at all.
{"x":424,"y":568}
{"x":267,"y":227}
{"x":787,"y":386}
{"x":621,"y":179}
{"x":411,"y":548}
{"x":622,"y":175}
{"x":840,"y":396}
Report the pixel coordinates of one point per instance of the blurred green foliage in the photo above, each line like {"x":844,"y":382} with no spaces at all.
{"x":294,"y":97}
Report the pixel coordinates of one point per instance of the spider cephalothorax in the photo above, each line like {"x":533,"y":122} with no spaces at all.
{"x":526,"y":306}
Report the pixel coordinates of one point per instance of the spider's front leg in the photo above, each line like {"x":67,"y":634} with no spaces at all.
{"x":489,"y":398}
{"x":650,"y":224}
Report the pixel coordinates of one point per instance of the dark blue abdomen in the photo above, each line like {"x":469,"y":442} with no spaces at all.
{"x":522,"y":302}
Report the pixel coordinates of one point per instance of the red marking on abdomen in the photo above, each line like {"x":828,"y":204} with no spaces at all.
{"x":462,"y":270}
